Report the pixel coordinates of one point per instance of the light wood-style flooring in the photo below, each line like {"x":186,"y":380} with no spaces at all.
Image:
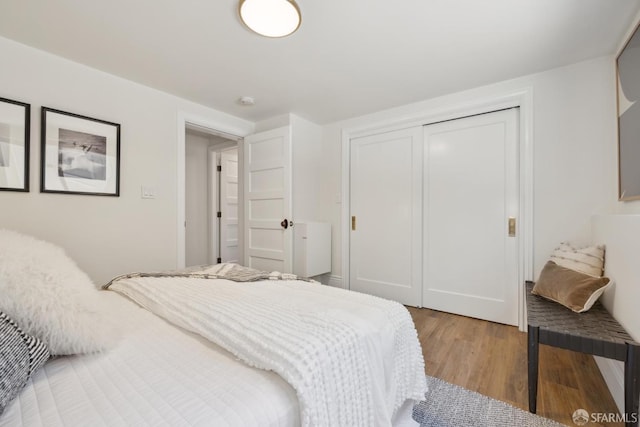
{"x":491,"y":359}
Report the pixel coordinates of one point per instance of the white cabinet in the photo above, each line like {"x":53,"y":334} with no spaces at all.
{"x":311,"y":248}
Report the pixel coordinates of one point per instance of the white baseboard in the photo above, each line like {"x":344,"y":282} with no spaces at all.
{"x":335,"y":281}
{"x":613,"y":373}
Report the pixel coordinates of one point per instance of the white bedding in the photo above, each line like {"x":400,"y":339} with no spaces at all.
{"x":353,"y":359}
{"x":158,"y":375}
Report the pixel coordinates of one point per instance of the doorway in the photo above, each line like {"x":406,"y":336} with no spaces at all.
{"x":211,"y":197}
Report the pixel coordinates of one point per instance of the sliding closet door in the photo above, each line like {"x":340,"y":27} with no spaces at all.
{"x":470,"y":194}
{"x":386,"y":210}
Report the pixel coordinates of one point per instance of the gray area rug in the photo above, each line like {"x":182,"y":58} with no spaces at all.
{"x":448,"y":405}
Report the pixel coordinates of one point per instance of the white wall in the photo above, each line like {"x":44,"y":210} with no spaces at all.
{"x":620,"y":234}
{"x":308,"y":170}
{"x":573,"y":128}
{"x":105,"y":235}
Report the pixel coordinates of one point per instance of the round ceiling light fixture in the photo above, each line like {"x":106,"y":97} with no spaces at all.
{"x":270,"y":18}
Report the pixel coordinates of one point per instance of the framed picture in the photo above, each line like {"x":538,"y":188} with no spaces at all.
{"x":14,"y":145}
{"x":80,"y":155}
{"x":628,"y":72}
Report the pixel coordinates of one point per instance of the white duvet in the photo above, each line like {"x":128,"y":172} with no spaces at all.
{"x":353,"y":359}
{"x":158,"y":375}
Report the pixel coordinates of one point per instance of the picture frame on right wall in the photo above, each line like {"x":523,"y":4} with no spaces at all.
{"x":628,"y":91}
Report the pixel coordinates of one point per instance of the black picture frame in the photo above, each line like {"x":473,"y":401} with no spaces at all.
{"x":628,"y":114}
{"x":79,"y":154}
{"x":15,"y":123}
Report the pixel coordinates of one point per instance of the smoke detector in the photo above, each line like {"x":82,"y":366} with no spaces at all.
{"x":246,"y":101}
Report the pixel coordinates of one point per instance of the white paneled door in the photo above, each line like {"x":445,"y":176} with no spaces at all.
{"x":229,"y":206}
{"x":267,"y":193}
{"x":471,"y":199}
{"x":386,"y":222}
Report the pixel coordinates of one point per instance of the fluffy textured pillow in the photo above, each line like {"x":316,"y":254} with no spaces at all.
{"x":20,"y":356}
{"x":588,"y":260}
{"x":570,"y":288}
{"x":46,"y":293}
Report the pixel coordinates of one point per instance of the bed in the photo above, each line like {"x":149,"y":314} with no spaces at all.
{"x":226,"y":346}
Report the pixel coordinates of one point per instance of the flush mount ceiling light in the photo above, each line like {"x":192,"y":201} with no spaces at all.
{"x":270,"y":18}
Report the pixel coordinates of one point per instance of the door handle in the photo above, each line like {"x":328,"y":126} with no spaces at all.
{"x":285,"y":223}
{"x":512,"y":226}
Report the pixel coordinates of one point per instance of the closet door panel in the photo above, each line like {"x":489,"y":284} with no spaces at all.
{"x":470,"y":193}
{"x":386,"y":209}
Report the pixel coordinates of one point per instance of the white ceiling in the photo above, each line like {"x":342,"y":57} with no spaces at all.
{"x":349,"y":57}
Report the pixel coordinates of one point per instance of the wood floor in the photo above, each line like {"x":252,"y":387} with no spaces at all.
{"x":491,"y":359}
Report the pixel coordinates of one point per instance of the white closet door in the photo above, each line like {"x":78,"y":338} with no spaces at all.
{"x":471,"y":191}
{"x":267,"y":193}
{"x":229,"y":206}
{"x":386,"y":209}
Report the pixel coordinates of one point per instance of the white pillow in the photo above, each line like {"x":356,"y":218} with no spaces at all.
{"x":46,"y":293}
{"x":588,"y":260}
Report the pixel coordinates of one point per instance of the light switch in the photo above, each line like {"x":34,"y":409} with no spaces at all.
{"x":148,"y":192}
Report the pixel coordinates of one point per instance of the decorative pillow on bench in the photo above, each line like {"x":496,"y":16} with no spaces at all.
{"x":574,"y":290}
{"x":20,"y":356}
{"x":588,"y":260}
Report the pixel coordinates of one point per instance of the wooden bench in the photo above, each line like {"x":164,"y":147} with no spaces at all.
{"x":594,"y":332}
